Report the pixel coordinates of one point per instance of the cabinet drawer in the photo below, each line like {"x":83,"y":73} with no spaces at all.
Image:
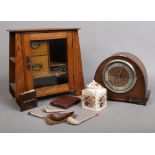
{"x":39,"y":48}
{"x":40,"y":66}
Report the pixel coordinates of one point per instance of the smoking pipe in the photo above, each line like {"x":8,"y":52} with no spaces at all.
{"x":45,"y":109}
{"x":73,"y":121}
{"x":54,"y":118}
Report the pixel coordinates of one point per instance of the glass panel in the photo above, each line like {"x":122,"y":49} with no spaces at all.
{"x":49,"y":62}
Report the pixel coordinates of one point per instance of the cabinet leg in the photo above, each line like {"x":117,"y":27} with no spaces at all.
{"x":78,"y":72}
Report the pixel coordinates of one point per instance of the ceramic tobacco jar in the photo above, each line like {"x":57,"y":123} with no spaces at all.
{"x":94,"y":97}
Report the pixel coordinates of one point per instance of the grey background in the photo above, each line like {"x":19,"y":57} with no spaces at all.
{"x":98,"y":40}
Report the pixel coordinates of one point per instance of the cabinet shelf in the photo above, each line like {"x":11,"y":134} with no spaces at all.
{"x":57,"y":64}
{"x":56,"y":74}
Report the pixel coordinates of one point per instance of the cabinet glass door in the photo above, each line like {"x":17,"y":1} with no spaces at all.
{"x":49,"y":60}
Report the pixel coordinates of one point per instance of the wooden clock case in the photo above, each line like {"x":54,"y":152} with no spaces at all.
{"x":139,"y":94}
{"x":26,"y":64}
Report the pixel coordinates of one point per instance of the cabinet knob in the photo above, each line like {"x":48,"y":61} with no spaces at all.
{"x":37,"y":66}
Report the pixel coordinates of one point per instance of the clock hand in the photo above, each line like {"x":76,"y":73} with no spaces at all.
{"x":118,"y":76}
{"x":120,"y":72}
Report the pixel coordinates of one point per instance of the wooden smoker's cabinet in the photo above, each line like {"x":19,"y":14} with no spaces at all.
{"x":47,"y":60}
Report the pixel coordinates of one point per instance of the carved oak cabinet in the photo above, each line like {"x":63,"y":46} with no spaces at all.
{"x":45,"y":60}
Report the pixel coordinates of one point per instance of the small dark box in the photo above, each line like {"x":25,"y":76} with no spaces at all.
{"x":65,"y":101}
{"x":28,"y":100}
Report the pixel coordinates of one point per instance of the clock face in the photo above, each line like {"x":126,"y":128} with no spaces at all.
{"x":119,"y":76}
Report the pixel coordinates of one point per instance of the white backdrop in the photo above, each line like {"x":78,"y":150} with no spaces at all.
{"x":98,"y":40}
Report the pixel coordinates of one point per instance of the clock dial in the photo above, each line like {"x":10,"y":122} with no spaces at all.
{"x":119,"y":76}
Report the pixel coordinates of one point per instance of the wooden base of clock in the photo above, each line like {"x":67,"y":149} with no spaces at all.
{"x":134,"y":100}
{"x":45,"y":60}
{"x":125,"y":77}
